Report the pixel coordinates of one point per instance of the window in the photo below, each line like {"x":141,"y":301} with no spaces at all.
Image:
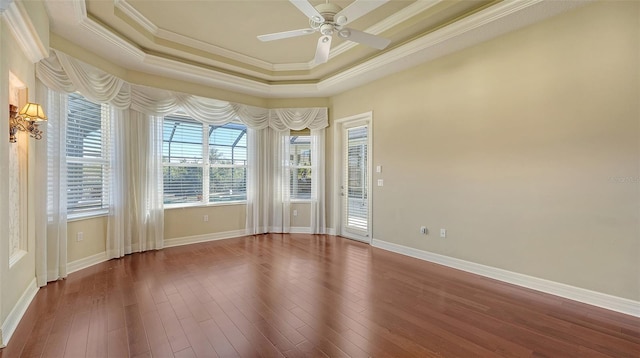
{"x":193,"y":151}
{"x":87,"y":152}
{"x":228,"y":162}
{"x":300,"y":167}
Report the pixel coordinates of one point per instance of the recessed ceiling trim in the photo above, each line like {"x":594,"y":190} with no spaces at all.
{"x":79,"y":9}
{"x":388,"y":23}
{"x":135,"y":15}
{"x":156,"y":31}
{"x":216,"y":50}
{"x":138,"y":54}
{"x":476,"y":28}
{"x":177,"y":69}
{"x":384,"y":25}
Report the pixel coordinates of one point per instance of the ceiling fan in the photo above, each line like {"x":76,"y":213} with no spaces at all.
{"x":328,"y":19}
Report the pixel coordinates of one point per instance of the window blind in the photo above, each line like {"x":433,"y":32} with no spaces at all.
{"x":182,"y":155}
{"x":228,"y":162}
{"x":87,"y":151}
{"x":357,"y":213}
{"x":300,"y":167}
{"x":204,"y":163}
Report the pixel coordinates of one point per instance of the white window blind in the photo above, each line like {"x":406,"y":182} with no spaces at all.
{"x":204,"y":163}
{"x":357,"y":180}
{"x":300,"y":167}
{"x":228,"y":162}
{"x":87,"y":153}
{"x":183,"y":159}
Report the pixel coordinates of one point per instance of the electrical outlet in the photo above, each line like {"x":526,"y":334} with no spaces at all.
{"x":423,"y":230}
{"x":295,"y":213}
{"x":443,"y":233}
{"x":79,"y":236}
{"x":205,"y":218}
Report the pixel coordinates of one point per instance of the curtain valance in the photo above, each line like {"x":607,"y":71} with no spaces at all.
{"x":66,"y":74}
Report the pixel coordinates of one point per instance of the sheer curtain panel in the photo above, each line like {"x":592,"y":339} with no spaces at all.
{"x":51,"y":187}
{"x":136,"y":218}
{"x":318,"y":214}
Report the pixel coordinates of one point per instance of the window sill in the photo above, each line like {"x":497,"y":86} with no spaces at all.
{"x":301,"y":201}
{"x":84,"y":216}
{"x":203,"y":205}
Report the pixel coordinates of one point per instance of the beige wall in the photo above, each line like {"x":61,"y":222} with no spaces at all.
{"x":184,"y":222}
{"x":303,"y":219}
{"x":94,"y":233}
{"x":15,"y":280}
{"x":526,"y":148}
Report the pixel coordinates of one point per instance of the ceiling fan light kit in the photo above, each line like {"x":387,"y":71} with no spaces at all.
{"x":328,"y":18}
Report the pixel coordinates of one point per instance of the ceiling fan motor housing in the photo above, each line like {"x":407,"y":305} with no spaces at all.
{"x":328,"y":12}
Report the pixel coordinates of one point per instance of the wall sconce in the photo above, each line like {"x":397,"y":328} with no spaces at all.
{"x":26,"y":120}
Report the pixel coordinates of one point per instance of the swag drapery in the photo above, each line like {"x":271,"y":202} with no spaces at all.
{"x":136,"y":216}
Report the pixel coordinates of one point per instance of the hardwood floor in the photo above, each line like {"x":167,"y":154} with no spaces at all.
{"x":305,"y":295}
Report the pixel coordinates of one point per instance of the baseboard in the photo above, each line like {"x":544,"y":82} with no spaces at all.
{"x":331,"y":231}
{"x":594,"y":298}
{"x":300,"y":230}
{"x":11,"y":323}
{"x":83,"y":263}
{"x":204,"y":238}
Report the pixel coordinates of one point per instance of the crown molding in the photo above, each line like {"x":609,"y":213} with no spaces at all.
{"x":24,"y":31}
{"x":108,"y":36}
{"x":174,"y":68}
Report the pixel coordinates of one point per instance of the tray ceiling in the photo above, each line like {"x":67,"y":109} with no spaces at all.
{"x":214,"y":42}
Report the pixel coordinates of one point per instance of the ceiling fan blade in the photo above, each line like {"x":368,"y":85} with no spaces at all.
{"x":285,"y":34}
{"x":323,"y":49}
{"x":364,"y":38}
{"x":308,"y":9}
{"x":357,"y":9}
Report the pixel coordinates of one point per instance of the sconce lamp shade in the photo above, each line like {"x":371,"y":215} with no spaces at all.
{"x":33,"y":112}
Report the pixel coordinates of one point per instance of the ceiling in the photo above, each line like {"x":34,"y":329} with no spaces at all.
{"x":213,"y":42}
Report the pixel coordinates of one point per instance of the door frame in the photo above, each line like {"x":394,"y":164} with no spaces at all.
{"x":338,"y":179}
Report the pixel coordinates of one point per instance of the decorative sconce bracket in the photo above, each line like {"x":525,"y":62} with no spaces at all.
{"x":26,"y":120}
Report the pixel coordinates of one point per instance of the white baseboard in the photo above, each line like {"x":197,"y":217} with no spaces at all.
{"x":331,"y":231}
{"x":203,"y":238}
{"x":11,"y":323}
{"x":83,"y":263}
{"x":300,"y":230}
{"x":594,"y":298}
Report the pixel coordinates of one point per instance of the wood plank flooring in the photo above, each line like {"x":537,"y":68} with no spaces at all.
{"x":305,"y":296}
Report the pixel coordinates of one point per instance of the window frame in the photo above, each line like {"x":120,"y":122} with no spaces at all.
{"x":205,"y":165}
